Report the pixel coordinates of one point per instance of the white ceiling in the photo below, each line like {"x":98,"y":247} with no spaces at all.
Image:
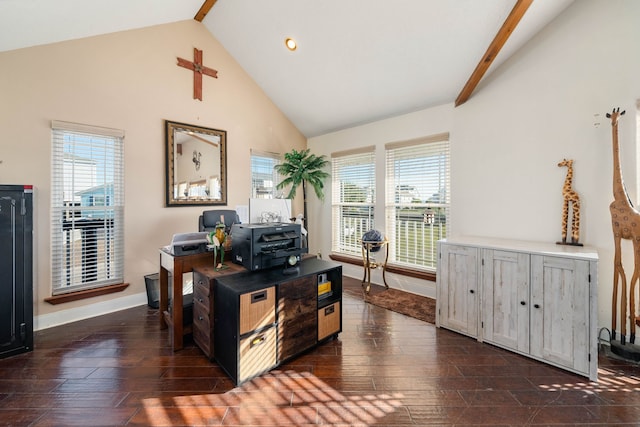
{"x":357,"y":60}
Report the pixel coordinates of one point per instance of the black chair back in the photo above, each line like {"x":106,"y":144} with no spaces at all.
{"x":208,"y":220}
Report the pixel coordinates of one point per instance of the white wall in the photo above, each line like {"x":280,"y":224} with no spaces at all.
{"x":541,"y":106}
{"x":130,"y":81}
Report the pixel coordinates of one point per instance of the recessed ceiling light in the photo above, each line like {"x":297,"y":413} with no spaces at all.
{"x":291,"y":44}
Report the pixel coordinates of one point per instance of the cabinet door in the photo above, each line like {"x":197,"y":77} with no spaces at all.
{"x":505,"y":299}
{"x":297,"y":316}
{"x":329,"y":320}
{"x":457,"y":291}
{"x":16,"y":318}
{"x":560,"y":311}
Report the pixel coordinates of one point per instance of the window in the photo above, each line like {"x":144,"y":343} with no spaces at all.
{"x":353,"y":198}
{"x":417,"y":199}
{"x":87,"y":206}
{"x":264,"y":177}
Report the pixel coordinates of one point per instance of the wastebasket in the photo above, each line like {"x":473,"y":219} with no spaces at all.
{"x":152,"y":281}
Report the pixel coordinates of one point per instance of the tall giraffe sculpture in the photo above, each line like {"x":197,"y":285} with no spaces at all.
{"x":570,"y":196}
{"x":625,"y":220}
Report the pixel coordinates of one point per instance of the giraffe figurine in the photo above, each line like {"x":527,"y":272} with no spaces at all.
{"x":570,"y":196}
{"x":625,"y":221}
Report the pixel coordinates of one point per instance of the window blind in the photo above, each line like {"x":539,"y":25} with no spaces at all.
{"x":417,"y":199}
{"x":87,"y":207}
{"x":353,"y":198}
{"x":264,"y":177}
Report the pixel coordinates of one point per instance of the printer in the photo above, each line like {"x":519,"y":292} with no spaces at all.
{"x":265,"y":245}
{"x":188,"y":243}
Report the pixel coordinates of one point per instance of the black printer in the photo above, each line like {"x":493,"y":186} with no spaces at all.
{"x":265,"y":245}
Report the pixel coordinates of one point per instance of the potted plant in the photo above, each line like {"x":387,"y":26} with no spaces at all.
{"x":300,"y":168}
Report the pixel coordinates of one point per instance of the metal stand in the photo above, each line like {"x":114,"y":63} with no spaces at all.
{"x":370,"y":263}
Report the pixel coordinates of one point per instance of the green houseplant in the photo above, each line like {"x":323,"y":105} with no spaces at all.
{"x":302,"y":168}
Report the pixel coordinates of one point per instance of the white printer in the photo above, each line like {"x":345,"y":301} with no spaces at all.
{"x":188,"y":243}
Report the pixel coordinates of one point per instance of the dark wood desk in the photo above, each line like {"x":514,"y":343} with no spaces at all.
{"x":177,"y":266}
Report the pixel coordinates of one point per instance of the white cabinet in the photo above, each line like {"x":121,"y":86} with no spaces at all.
{"x":535,"y":299}
{"x":457,"y":289}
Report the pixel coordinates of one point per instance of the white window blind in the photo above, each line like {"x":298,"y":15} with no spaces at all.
{"x":87,"y":207}
{"x":353,"y":198}
{"x":417,"y":199}
{"x":264,"y":177}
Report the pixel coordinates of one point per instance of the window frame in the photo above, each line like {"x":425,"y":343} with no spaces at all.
{"x":100,"y":229}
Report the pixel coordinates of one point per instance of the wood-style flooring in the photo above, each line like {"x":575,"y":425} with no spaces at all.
{"x":384,"y":369}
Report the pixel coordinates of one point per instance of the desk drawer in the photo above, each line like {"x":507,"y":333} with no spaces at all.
{"x":202,"y":297}
{"x":201,"y":281}
{"x":329,"y":320}
{"x":257,"y":309}
{"x":203,"y":329}
{"x":257,"y":354}
{"x":201,"y":316}
{"x":203,"y":340}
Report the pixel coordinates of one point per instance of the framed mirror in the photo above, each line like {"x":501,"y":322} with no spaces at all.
{"x":196,"y":165}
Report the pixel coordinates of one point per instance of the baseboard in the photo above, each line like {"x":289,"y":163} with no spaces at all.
{"x":62,"y":317}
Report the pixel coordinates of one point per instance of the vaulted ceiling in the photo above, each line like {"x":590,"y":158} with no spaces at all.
{"x":357,"y":61}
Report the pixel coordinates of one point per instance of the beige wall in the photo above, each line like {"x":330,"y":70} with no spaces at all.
{"x":130,"y":81}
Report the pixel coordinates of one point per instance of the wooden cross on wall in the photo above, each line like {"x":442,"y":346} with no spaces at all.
{"x":198,"y":70}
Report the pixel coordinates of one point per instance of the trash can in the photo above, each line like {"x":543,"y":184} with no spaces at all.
{"x":152,"y":281}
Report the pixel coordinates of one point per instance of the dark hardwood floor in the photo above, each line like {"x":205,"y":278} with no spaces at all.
{"x":384,"y":369}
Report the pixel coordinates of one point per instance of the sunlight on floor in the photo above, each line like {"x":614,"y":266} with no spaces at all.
{"x":300,"y":398}
{"x":608,"y":380}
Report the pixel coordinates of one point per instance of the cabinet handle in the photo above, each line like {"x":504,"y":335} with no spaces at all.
{"x":536,"y":305}
{"x":471,"y":291}
{"x":200,"y":299}
{"x":257,"y":341}
{"x":258,"y":296}
{"x":200,"y":318}
{"x":523,"y":303}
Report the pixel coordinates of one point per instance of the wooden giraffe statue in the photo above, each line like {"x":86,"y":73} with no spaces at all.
{"x":625,"y":220}
{"x":570,"y":196}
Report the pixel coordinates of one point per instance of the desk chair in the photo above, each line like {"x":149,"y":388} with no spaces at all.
{"x":208,"y":220}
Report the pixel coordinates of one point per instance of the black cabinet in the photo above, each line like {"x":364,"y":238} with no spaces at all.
{"x":264,"y":318}
{"x":16,"y":274}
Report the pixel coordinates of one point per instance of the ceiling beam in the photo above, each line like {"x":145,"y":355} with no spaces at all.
{"x":204,"y":9}
{"x":499,"y":40}
{"x":199,"y":138}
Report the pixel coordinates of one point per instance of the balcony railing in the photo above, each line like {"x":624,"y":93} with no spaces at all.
{"x":413,"y":243}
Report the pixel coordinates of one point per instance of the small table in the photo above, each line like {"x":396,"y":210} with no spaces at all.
{"x":369,"y":263}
